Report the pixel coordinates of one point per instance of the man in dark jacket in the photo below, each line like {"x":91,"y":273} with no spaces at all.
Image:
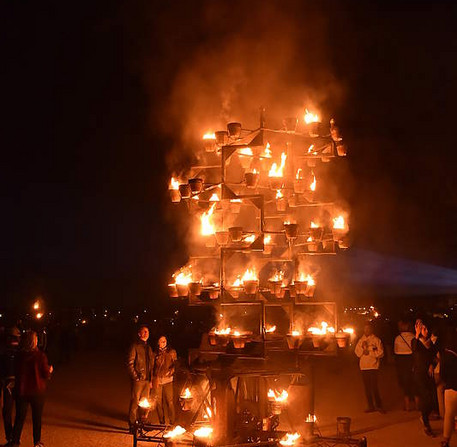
{"x":140,"y":366}
{"x":164,"y":368}
{"x":7,"y":378}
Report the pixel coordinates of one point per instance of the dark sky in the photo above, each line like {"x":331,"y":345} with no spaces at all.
{"x":84,"y":141}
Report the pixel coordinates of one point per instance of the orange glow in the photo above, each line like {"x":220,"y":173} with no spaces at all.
{"x":186,"y":395}
{"x":313,"y":184}
{"x":249,"y":239}
{"x":237,"y":282}
{"x":144,"y":403}
{"x":278,"y":397}
{"x":267,"y":239}
{"x":177,"y":431}
{"x":289,"y":439}
{"x":310,"y":239}
{"x":279,"y":194}
{"x":299,"y":174}
{"x":311,"y":117}
{"x":348,"y":330}
{"x":174,"y":184}
{"x":322,"y":330}
{"x":39,"y":316}
{"x":207,"y":227}
{"x":203,"y":432}
{"x":270,"y":329}
{"x":296,"y":333}
{"x":276,"y":171}
{"x":249,"y":275}
{"x":209,"y":136}
{"x":339,"y":223}
{"x":311,"y":150}
{"x":183,"y":276}
{"x":36,"y":305}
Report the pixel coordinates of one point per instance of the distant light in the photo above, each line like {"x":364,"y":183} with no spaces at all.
{"x":38,"y":316}
{"x":36,"y":305}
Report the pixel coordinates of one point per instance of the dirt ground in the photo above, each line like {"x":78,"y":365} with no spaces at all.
{"x":88,"y":400}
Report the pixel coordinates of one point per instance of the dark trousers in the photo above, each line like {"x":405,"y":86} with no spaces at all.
{"x":370,"y":382}
{"x":404,"y":364}
{"x":426,"y":390}
{"x":37,"y":403}
{"x":140,"y":390}
{"x":164,"y":396}
{"x":7,"y":412}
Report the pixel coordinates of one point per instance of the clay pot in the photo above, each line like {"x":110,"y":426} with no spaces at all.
{"x":175,"y":195}
{"x":185,"y":191}
{"x":221,"y":137}
{"x":195,"y":288}
{"x":235,"y":291}
{"x":212,"y":339}
{"x":213,"y":294}
{"x":186,"y":404}
{"x":341,"y":340}
{"x":291,"y":230}
{"x":317,"y":341}
{"x":341,"y":149}
{"x":294,"y":341}
{"x":172,"y":291}
{"x":309,"y":291}
{"x":240,"y":341}
{"x":281,"y":204}
{"x":275,"y":407}
{"x":300,"y":287}
{"x":316,"y":233}
{"x":251,"y":286}
{"x":196,"y":185}
{"x":183,"y":289}
{"x":308,"y":431}
{"x":234,"y":130}
{"x":209,"y":144}
{"x":314,"y":129}
{"x":290,"y":124}
{"x":222,"y":237}
{"x":236,"y":233}
{"x":276,"y":182}
{"x":251,"y":179}
{"x":274,"y":286}
{"x":300,"y":186}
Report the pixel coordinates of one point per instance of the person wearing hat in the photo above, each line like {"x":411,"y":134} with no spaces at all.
{"x":7,"y":378}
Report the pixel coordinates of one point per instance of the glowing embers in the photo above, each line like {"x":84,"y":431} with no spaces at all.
{"x":277,"y":400}
{"x":276,"y":173}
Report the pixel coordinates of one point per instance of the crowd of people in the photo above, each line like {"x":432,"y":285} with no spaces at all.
{"x":426,"y":369}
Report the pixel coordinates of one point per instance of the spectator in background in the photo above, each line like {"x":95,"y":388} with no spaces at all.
{"x":31,"y":372}
{"x":449,"y":376}
{"x":140,"y":364}
{"x":404,"y":362}
{"x":164,"y":369}
{"x":369,"y":349}
{"x":424,"y":361}
{"x":7,"y":362}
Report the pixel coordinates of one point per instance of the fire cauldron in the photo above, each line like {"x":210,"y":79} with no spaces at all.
{"x":175,"y":195}
{"x":172,"y":291}
{"x":276,"y":182}
{"x":291,"y":230}
{"x":294,"y":341}
{"x":251,"y":179}
{"x":239,"y":341}
{"x":222,"y":237}
{"x":236,"y":233}
{"x":234,"y":130}
{"x":276,"y":288}
{"x":251,"y":286}
{"x":195,"y":288}
{"x":185,"y":191}
{"x":196,"y":185}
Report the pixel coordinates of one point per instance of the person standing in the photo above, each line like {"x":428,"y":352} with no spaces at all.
{"x":404,"y":362}
{"x":140,"y":364}
{"x":164,"y":369}
{"x":424,"y":361}
{"x":369,"y":349}
{"x":449,"y":376}
{"x":31,"y":372}
{"x":7,"y":358}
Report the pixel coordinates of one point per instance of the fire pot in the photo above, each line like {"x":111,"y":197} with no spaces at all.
{"x":276,"y":183}
{"x":251,"y":179}
{"x":195,"y":288}
{"x":236,"y":233}
{"x":300,"y":287}
{"x":314,"y":129}
{"x":221,"y":137}
{"x":184,"y":190}
{"x":291,"y":230}
{"x":234,"y":130}
{"x":222,"y":237}
{"x":172,"y":291}
{"x":251,"y":286}
{"x":341,"y":339}
{"x":175,"y":195}
{"x":183,"y":289}
{"x":281,"y":204}
{"x":294,"y":341}
{"x":196,"y":185}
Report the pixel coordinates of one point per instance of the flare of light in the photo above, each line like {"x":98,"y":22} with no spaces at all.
{"x":144,"y":403}
{"x":289,"y":439}
{"x":203,"y":432}
{"x":207,"y":228}
{"x":311,"y":117}
{"x":177,"y":431}
{"x":209,"y":136}
{"x":186,"y":395}
{"x":174,"y":183}
{"x":270,"y":329}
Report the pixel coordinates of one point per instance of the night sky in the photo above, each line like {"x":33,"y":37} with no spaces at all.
{"x":89,"y":96}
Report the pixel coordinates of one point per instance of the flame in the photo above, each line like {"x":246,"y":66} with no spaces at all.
{"x":209,"y":136}
{"x":279,"y":194}
{"x":225,"y":331}
{"x":174,"y":183}
{"x":311,"y":418}
{"x":270,"y":329}
{"x":177,"y":431}
{"x":183,"y":276}
{"x":313,"y":184}
{"x":296,"y":333}
{"x":36,"y":305}
{"x":322,"y":330}
{"x":339,"y":223}
{"x":214,"y":197}
{"x":250,"y":239}
{"x":278,"y":397}
{"x":186,"y":395}
{"x":311,"y":150}
{"x":278,"y":276}
{"x":144,"y":403}
{"x":348,"y":330}
{"x":310,"y":280}
{"x":289,"y":439}
{"x":311,"y":117}
{"x":237,"y":282}
{"x":203,"y":432}
{"x":314,"y":225}
{"x":299,"y":174}
{"x":249,"y":275}
{"x":207,"y":228}
{"x":267,"y":239}
{"x":235,"y":201}
{"x":276,"y":171}
{"x":267,"y":152}
{"x":208,"y":413}
{"x":39,"y":316}
{"x":236,"y":334}
{"x":310,"y":239}
{"x":246,"y":151}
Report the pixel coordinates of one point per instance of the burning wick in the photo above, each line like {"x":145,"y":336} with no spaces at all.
{"x":177,"y":431}
{"x":289,"y":439}
{"x":203,"y":432}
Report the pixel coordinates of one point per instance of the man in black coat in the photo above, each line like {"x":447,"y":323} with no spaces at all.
{"x":140,"y":365}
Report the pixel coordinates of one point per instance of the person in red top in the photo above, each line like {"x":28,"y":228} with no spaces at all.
{"x":32,"y":371}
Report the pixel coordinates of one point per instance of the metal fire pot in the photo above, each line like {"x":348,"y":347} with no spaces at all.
{"x":343,"y":427}
{"x":175,"y":195}
{"x":309,"y":291}
{"x":290,"y":124}
{"x":213,"y":294}
{"x":300,"y":287}
{"x":275,"y":407}
{"x":184,"y":190}
{"x":300,"y":186}
{"x":221,"y":137}
{"x":234,"y":130}
{"x":209,"y":144}
{"x":276,"y":288}
{"x":341,"y":149}
{"x":276,"y":182}
{"x":341,"y":339}
{"x":314,"y":129}
{"x":222,"y":237}
{"x":281,"y":204}
{"x":239,"y":342}
{"x":196,"y":185}
{"x":183,"y":289}
{"x":195,"y":288}
{"x":294,"y":341}
{"x":186,"y":403}
{"x":291,"y":230}
{"x":251,"y":179}
{"x":172,"y":291}
{"x":236,"y":233}
{"x":251,"y":286}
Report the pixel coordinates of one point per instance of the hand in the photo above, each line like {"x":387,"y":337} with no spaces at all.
{"x":431,"y":371}
{"x":418,"y":327}
{"x":51,"y":369}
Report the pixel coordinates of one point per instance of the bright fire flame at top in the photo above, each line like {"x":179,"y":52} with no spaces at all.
{"x":348,"y":330}
{"x":177,"y":431}
{"x":270,"y":329}
{"x":339,"y":223}
{"x":209,"y":136}
{"x":289,"y":439}
{"x":296,"y":333}
{"x":207,"y":228}
{"x":214,"y":197}
{"x":246,"y":151}
{"x":279,"y":194}
{"x":174,"y":183}
{"x":267,"y":239}
{"x":322,"y":330}
{"x":314,"y":225}
{"x":311,"y":117}
{"x":186,"y":395}
{"x":249,"y":275}
{"x":203,"y":432}
{"x":278,"y":397}
{"x":276,"y":171}
{"x":144,"y":403}
{"x":183,"y":276}
{"x":267,"y":152}
{"x":278,"y":276}
{"x":299,"y":174}
{"x":313,"y":184}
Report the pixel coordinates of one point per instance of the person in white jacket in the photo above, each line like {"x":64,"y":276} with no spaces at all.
{"x":369,"y":349}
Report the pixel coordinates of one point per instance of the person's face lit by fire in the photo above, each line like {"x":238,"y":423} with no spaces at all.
{"x":143,"y":333}
{"x":162,"y":342}
{"x":424,"y":331}
{"x":368,"y":330}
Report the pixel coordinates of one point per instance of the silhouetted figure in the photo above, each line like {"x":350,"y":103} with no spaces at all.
{"x":403,"y":351}
{"x":140,"y":365}
{"x":164,"y":369}
{"x":424,"y":356}
{"x":31,"y":371}
{"x":7,"y":362}
{"x":369,"y":349}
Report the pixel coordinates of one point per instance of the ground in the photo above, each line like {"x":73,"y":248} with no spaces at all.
{"x":88,"y":399}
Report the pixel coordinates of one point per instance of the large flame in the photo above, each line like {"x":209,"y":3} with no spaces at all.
{"x":187,"y":394}
{"x":183,"y":276}
{"x":249,"y":239}
{"x":311,"y":117}
{"x":214,"y":197}
{"x":237,"y":282}
{"x":249,"y":275}
{"x":267,"y":152}
{"x":207,"y":227}
{"x":278,"y":276}
{"x":313,"y":184}
{"x":279,"y":194}
{"x":314,"y":225}
{"x":144,"y":403}
{"x":289,"y":439}
{"x":270,"y":329}
{"x":276,"y":171}
{"x":177,"y":431}
{"x":203,"y":432}
{"x":223,"y":331}
{"x":209,"y":136}
{"x":246,"y":151}
{"x":174,"y":183}
{"x":278,"y":396}
{"x":322,"y":330}
{"x":339,"y":223}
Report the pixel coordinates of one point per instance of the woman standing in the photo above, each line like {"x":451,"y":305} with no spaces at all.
{"x":404,"y":363}
{"x":424,"y":358}
{"x":32,"y":371}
